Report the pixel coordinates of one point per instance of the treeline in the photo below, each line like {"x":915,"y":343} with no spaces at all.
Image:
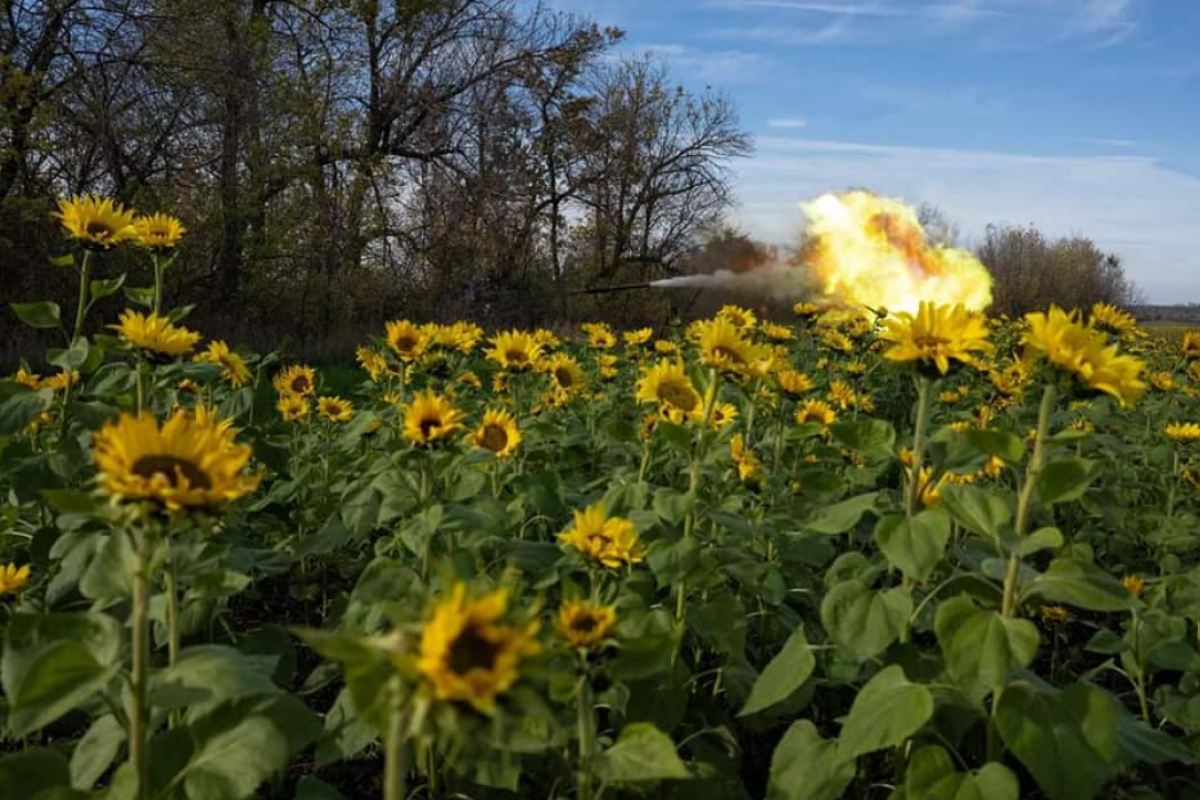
{"x":339,"y":163}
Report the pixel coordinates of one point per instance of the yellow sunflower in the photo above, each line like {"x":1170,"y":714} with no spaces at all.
{"x":1183,"y":432}
{"x":406,"y":340}
{"x":28,"y":379}
{"x":1163,"y":381}
{"x":612,"y":541}
{"x":233,"y":366}
{"x":497,"y":432}
{"x":637,"y":338}
{"x":187,"y":463}
{"x":546,"y":338}
{"x":749,"y":468}
{"x":668,"y":386}
{"x":566,"y":376}
{"x":741,"y":318}
{"x":292,"y":407}
{"x":1190,"y":345}
{"x":608,"y":367}
{"x":468,"y":653}
{"x":723,"y":346}
{"x":515,"y":350}
{"x":97,"y":223}
{"x":794,"y":383}
{"x":1134,"y":584}
{"x":430,"y":418}
{"x":296,"y":379}
{"x":841,"y":394}
{"x":816,"y":411}
{"x":806,"y":310}
{"x":585,"y":625}
{"x":154,"y":334}
{"x":60,"y":381}
{"x":372,"y":361}
{"x":1080,"y":351}
{"x":936,"y":336}
{"x":1112,"y":319}
{"x":158,"y":231}
{"x":722,"y":414}
{"x":776,"y":333}
{"x":12,"y":578}
{"x":335,"y":409}
{"x":600,"y":336}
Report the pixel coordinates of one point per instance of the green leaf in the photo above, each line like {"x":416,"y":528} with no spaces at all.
{"x":1047,"y":738}
{"x":23,"y":408}
{"x":38,"y":315}
{"x":73,"y":357}
{"x":672,"y":505}
{"x":106,"y":288}
{"x":95,"y":752}
{"x":863,"y":622}
{"x":52,"y":662}
{"x":310,"y":788}
{"x":241,"y":744}
{"x":785,"y":673}
{"x":873,"y":438}
{"x":807,"y":767}
{"x":1066,"y":479}
{"x":1137,"y":742}
{"x":982,"y":648}
{"x":916,"y":545}
{"x":26,"y":774}
{"x":142,"y":295}
{"x":208,"y":674}
{"x":1039,"y":540}
{"x":61,"y":677}
{"x":840,"y":517}
{"x":886,"y":712}
{"x":641,"y":753}
{"x":1000,"y":444}
{"x":979,"y":510}
{"x":1082,"y":585}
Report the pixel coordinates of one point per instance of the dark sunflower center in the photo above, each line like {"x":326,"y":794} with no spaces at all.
{"x":171,"y":468}
{"x":300,"y":385}
{"x":495,"y":438}
{"x":720,"y":351}
{"x":99,"y":230}
{"x":430,"y":425}
{"x":586,"y":623}
{"x":677,"y":395}
{"x":406,"y":343}
{"x":517,"y":356}
{"x":472,"y":651}
{"x":564,"y":378}
{"x":930,"y":342}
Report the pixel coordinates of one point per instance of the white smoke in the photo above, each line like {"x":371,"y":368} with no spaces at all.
{"x":776,"y":281}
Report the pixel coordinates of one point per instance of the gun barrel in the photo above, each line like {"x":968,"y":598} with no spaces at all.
{"x":621,"y":287}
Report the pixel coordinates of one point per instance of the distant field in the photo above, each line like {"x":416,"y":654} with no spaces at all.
{"x":1168,"y":330}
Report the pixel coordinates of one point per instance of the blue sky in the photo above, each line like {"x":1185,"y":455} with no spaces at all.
{"x":1079,"y":116}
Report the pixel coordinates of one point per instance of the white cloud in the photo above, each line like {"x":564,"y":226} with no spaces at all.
{"x":787,"y":124}
{"x":1131,"y":205}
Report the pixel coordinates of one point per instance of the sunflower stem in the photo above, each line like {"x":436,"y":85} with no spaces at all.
{"x":689,"y":522}
{"x":172,"y":593}
{"x":139,"y":632}
{"x":158,"y":282}
{"x":587,"y":737}
{"x":81,"y":308}
{"x":395,"y":768}
{"x":1025,"y":499}
{"x":924,"y":405}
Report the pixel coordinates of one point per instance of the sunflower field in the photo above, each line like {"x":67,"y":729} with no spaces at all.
{"x":913,"y":555}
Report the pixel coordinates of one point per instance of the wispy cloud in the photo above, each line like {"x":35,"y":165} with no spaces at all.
{"x":1123,"y":144}
{"x":840,"y":9}
{"x":727,"y":67}
{"x":792,"y":123}
{"x":1131,"y":205}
